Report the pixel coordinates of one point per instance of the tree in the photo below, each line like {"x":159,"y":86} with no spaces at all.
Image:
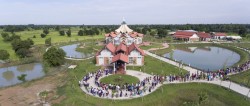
{"x":80,"y":33}
{"x":54,"y":56}
{"x":4,"y":34}
{"x":23,"y":52}
{"x":48,"y":41}
{"x":69,"y":33}
{"x":31,"y":41}
{"x":152,"y":33}
{"x":243,"y":32}
{"x":46,"y":31}
{"x":43,"y":35}
{"x":57,"y":28}
{"x":62,"y":32}
{"x":4,"y":55}
{"x":21,"y":47}
{"x":162,"y":33}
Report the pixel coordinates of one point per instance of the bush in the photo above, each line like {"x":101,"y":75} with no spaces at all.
{"x":54,"y":56}
{"x":48,"y":42}
{"x":62,"y":32}
{"x":22,"y":52}
{"x":43,"y":35}
{"x":4,"y":55}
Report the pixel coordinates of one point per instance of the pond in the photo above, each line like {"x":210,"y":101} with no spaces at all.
{"x":205,"y":58}
{"x":71,"y":52}
{"x":9,"y":74}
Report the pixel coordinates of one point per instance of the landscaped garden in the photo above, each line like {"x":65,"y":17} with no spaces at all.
{"x":171,"y":94}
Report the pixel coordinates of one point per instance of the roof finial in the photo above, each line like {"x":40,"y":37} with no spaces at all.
{"x":123,"y":20}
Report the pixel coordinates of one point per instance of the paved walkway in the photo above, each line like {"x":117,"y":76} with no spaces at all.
{"x":68,"y":58}
{"x":140,"y":75}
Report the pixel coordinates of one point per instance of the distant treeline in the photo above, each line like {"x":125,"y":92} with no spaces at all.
{"x":241,"y":29}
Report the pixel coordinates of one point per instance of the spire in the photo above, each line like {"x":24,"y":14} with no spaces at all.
{"x":124,"y":28}
{"x":123,"y":21}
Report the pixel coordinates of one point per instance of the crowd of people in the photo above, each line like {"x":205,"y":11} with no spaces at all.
{"x":126,"y":90}
{"x":149,"y":83}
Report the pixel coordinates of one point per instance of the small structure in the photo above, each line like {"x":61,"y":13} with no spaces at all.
{"x":218,"y":35}
{"x":186,"y":36}
{"x":233,"y":37}
{"x":204,"y":36}
{"x":72,"y":66}
{"x":191,"y":35}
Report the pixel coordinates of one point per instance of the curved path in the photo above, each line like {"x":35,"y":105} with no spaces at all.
{"x":227,"y":84}
{"x":140,"y":75}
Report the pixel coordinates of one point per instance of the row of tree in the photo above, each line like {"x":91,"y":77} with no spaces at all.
{"x":242,"y":29}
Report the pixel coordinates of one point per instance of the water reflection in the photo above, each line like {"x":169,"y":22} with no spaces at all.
{"x":9,"y":74}
{"x":72,"y":53}
{"x":25,"y":67}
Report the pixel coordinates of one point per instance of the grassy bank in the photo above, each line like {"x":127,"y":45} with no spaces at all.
{"x":161,"y":52}
{"x":242,"y":78}
{"x":155,"y":66}
{"x":152,"y":45}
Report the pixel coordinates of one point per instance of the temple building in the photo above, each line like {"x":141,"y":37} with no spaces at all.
{"x":124,"y":35}
{"x":121,"y":49}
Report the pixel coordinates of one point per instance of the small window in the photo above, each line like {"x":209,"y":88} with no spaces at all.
{"x":131,"y":60}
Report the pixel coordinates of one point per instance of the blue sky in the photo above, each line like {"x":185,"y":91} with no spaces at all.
{"x":103,"y":12}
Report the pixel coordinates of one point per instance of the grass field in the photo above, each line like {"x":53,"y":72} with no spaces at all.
{"x":89,"y":48}
{"x":168,"y":95}
{"x":155,"y":66}
{"x":119,"y":79}
{"x":54,"y":35}
{"x":242,"y":78}
{"x":152,"y":45}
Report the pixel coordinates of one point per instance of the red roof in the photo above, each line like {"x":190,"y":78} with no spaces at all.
{"x":111,"y":47}
{"x":220,"y":34}
{"x":121,"y":47}
{"x":184,"y":33}
{"x":203,"y":35}
{"x":121,"y":57}
{"x":134,"y":46}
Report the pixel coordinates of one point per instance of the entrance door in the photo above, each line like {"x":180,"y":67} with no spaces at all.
{"x":101,"y":60}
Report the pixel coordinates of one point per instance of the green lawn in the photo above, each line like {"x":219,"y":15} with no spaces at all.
{"x":119,"y":79}
{"x":242,"y":78}
{"x":161,"y":52}
{"x":242,"y":45}
{"x":152,"y":45}
{"x":155,"y":66}
{"x":89,"y":48}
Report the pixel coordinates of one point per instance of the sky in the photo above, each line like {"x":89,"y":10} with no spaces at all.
{"x":103,"y":12}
